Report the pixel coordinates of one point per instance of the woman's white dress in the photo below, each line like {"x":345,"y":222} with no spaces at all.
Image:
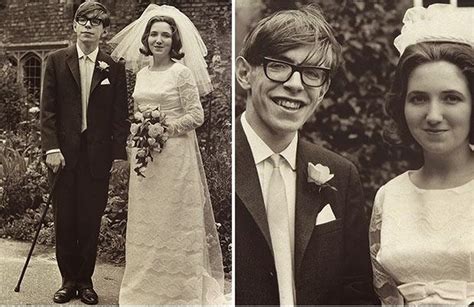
{"x":422,"y":243}
{"x":172,"y":248}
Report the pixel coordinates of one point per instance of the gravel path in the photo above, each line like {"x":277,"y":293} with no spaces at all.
{"x":42,"y":277}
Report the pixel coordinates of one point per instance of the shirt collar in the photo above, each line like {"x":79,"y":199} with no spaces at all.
{"x":92,"y":56}
{"x":261,"y":151}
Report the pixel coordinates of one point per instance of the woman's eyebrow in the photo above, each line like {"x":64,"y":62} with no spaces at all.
{"x":453,"y":91}
{"x":418,"y":92}
{"x":155,"y":31}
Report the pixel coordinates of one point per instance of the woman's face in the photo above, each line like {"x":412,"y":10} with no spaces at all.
{"x":438,"y":107}
{"x":160,"y":39}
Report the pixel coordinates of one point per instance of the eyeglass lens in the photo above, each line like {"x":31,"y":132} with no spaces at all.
{"x":83,"y":21}
{"x":282,"y":72}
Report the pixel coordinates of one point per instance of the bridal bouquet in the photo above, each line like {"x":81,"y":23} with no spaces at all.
{"x":148,"y":133}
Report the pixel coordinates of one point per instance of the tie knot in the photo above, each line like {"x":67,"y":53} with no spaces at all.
{"x":275,"y":160}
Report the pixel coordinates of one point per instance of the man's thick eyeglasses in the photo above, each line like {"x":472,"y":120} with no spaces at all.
{"x":83,"y":21}
{"x":281,"y":71}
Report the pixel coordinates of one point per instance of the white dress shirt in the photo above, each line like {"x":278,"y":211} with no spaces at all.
{"x":86,"y":70}
{"x":261,"y":152}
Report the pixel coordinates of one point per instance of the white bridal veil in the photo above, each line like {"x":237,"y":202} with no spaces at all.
{"x":126,"y":45}
{"x":128,"y":42}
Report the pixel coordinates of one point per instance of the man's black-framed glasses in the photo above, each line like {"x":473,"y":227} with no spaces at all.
{"x":82,"y":20}
{"x":281,"y":71}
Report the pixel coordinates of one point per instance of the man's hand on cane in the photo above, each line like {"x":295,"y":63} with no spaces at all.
{"x":119,"y":165}
{"x":55,"y":161}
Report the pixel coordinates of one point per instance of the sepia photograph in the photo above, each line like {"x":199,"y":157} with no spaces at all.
{"x":236,"y":152}
{"x":354,"y":152}
{"x":115,"y":152}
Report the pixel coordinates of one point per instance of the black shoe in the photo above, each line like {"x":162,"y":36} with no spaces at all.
{"x":88,"y":296}
{"x":64,"y":295}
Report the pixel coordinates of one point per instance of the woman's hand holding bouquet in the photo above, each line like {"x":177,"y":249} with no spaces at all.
{"x":148,"y":134}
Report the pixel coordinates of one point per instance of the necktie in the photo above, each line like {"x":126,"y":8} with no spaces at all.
{"x":85,"y":88}
{"x":278,"y":222}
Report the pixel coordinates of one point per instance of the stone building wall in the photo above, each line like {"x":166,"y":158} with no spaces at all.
{"x":40,"y":21}
{"x":33,"y":28}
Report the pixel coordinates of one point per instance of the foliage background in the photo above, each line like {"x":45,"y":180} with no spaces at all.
{"x":351,"y":118}
{"x":23,"y":176}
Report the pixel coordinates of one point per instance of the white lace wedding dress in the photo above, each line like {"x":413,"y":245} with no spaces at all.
{"x":422,"y":244}
{"x":172,"y":249}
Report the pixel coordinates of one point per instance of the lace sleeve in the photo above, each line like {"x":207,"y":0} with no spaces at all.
{"x":384,"y":285}
{"x":193,"y":116}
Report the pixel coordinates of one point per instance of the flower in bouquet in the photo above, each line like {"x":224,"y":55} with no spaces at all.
{"x":156,"y":114}
{"x":138,"y":116}
{"x":148,"y":133}
{"x":134,"y":128}
{"x":156,"y":130}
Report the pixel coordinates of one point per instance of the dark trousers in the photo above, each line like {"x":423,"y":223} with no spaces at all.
{"x":79,"y":202}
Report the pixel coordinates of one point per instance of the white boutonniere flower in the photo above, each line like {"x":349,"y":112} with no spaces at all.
{"x":320,"y":175}
{"x":103,"y":66}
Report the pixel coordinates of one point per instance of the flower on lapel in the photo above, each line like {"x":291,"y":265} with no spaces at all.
{"x":103,"y":66}
{"x":320,"y":175}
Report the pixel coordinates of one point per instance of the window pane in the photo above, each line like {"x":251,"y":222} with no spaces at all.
{"x":32,"y":75}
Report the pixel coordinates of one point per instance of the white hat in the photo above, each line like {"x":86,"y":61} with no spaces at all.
{"x":437,"y":23}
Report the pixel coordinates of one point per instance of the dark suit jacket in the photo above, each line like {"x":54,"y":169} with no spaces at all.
{"x":61,"y":110}
{"x":332,"y":262}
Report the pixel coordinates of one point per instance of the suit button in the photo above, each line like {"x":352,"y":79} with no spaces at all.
{"x":271,"y":274}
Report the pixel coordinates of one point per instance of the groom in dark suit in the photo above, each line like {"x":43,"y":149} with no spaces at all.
{"x":300,"y":229}
{"x":83,"y":130}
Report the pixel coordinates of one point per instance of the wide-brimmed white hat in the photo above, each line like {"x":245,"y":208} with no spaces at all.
{"x":437,"y":23}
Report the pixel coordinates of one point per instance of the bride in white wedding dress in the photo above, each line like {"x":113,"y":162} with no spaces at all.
{"x":173,"y":254}
{"x":421,"y":232}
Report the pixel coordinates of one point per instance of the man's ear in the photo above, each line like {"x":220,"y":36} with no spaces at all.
{"x":242,"y":72}
{"x":324,"y":90}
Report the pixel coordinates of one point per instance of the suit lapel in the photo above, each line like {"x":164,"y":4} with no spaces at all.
{"x":72,"y":61}
{"x":247,"y":184}
{"x":98,"y":75}
{"x":308,"y":204}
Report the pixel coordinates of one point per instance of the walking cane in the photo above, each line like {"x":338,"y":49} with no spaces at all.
{"x":43,"y":215}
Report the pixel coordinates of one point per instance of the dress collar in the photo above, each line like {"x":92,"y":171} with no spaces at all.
{"x":261,"y":151}
{"x":92,"y":56}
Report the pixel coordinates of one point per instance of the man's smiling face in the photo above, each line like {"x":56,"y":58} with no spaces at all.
{"x":277,"y":108}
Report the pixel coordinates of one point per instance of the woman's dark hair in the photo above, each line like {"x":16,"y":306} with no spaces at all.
{"x":176,"y":44}
{"x":458,"y":54}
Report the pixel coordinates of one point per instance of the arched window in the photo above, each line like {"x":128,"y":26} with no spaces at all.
{"x":32,"y":75}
